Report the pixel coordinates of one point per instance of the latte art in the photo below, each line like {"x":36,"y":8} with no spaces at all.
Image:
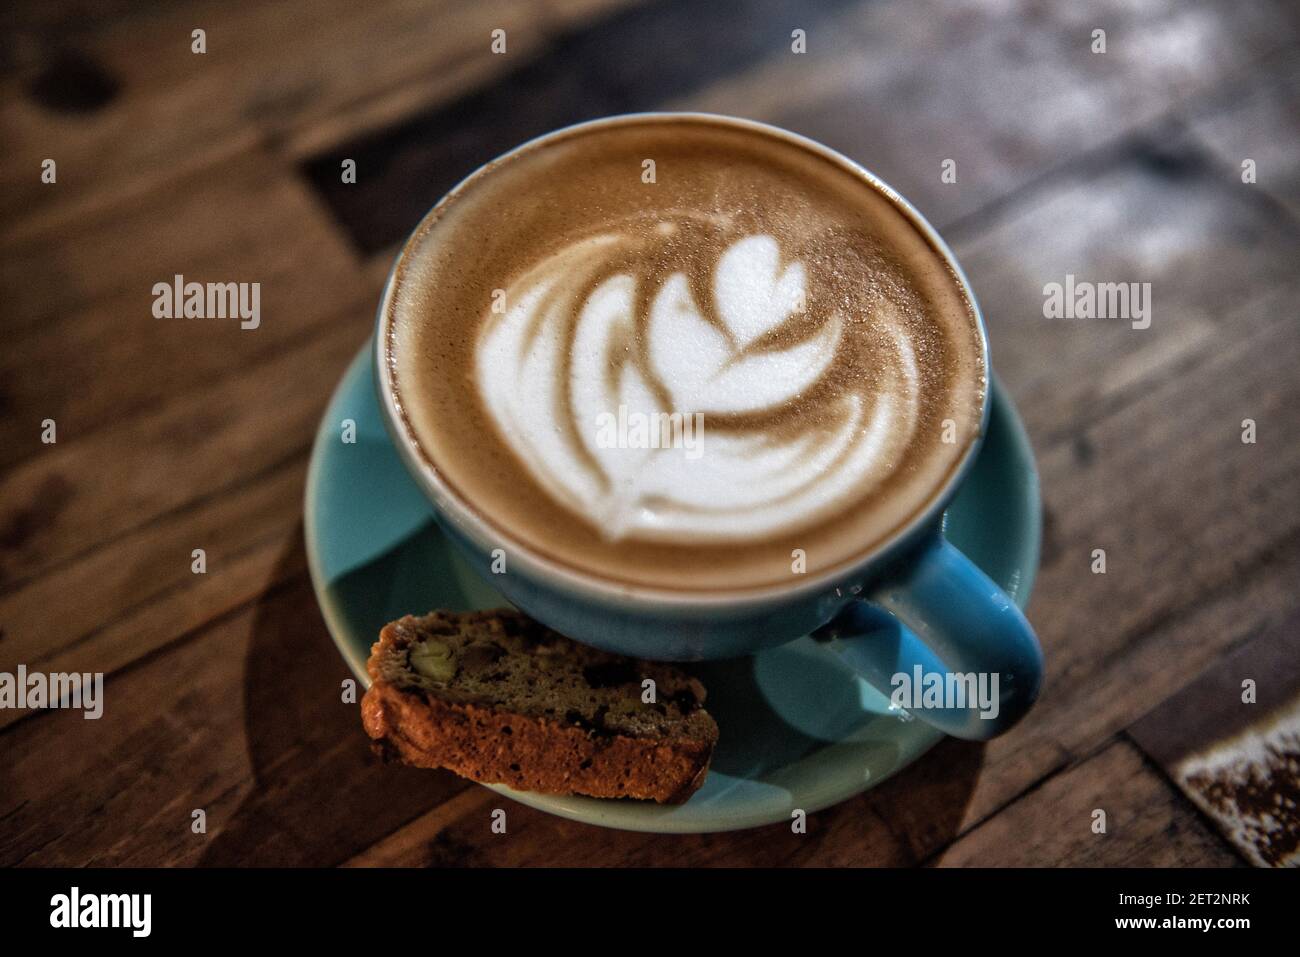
{"x":636,"y":323}
{"x":756,"y":367}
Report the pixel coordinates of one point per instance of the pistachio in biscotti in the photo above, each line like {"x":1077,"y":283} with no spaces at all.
{"x":481,"y":654}
{"x":433,"y":659}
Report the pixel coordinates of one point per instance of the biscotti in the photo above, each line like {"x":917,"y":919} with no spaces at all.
{"x":498,"y":698}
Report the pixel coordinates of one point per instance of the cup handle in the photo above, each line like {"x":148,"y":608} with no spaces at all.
{"x":938,"y":612}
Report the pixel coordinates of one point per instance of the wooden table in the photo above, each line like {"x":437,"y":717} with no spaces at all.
{"x":222,"y":688}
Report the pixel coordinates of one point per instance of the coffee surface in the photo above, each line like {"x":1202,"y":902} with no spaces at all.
{"x":681,"y":353}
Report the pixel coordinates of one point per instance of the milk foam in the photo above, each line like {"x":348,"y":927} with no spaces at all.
{"x":610,"y":322}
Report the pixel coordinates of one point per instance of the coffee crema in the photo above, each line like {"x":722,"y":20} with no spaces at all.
{"x":750,"y":368}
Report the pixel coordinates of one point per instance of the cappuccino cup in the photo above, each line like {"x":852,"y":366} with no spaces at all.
{"x":684,"y":387}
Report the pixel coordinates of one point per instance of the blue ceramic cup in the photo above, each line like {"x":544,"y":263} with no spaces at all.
{"x":913,"y":616}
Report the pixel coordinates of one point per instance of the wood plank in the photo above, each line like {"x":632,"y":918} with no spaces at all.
{"x":197,"y":445}
{"x":458,"y":834}
{"x":1147,"y":823}
{"x":468,"y":71}
{"x":896,"y":824}
{"x":1011,"y":92}
{"x":1259,"y":122}
{"x":245,"y":213}
{"x":1172,"y":209}
{"x":139,"y":593}
{"x":1238,"y":758}
{"x":173,"y":105}
{"x":246,"y":722}
{"x":89,"y":352}
{"x":594,"y":70}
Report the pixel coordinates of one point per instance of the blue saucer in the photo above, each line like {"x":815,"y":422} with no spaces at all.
{"x":798,"y":730}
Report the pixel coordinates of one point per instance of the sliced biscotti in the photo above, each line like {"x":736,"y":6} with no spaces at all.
{"x":496,"y":697}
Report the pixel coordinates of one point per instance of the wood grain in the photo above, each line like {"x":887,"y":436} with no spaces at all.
{"x":1259,"y":122}
{"x":1146,"y":822}
{"x":85,"y":307}
{"x":597,"y":70}
{"x":1230,"y":741}
{"x":245,"y":722}
{"x":174,"y":106}
{"x":901,"y":87}
{"x":140,"y":593}
{"x":202,"y":443}
{"x":224,"y":690}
